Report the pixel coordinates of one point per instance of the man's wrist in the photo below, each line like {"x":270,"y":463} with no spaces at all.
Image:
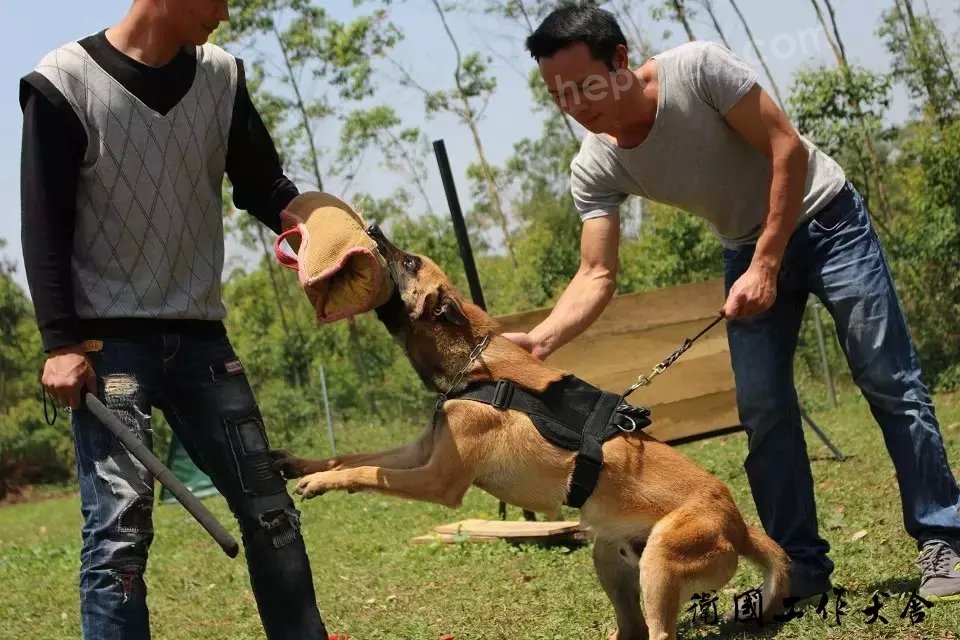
{"x":76,"y":348}
{"x":766,"y":264}
{"x":544,"y":340}
{"x":768,"y":255}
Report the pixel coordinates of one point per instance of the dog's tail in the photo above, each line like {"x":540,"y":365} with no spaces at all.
{"x":762,"y":550}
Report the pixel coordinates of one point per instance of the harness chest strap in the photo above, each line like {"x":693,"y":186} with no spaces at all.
{"x":589,"y":462}
{"x":570,"y":414}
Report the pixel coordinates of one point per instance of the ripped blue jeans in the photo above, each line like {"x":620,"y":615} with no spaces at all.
{"x":198,"y":383}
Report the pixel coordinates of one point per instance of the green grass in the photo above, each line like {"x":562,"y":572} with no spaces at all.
{"x":372,"y":584}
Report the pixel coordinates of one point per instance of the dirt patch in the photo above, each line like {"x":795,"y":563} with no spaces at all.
{"x":36,"y":493}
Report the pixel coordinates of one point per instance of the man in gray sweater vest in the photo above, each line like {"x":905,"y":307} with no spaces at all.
{"x":692,"y":128}
{"x":127,"y":136}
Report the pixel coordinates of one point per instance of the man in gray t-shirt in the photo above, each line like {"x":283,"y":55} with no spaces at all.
{"x":692,"y":128}
{"x":692,"y":157}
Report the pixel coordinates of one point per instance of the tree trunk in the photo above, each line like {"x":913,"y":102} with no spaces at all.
{"x":681,"y":13}
{"x":566,"y":122}
{"x":908,"y":6}
{"x":753,"y":43}
{"x":275,"y":285}
{"x":837,"y":51}
{"x":492,"y":191}
{"x":708,"y":5}
{"x":836,"y":29}
{"x":919,"y":47}
{"x":357,"y":347}
{"x":470,"y":119}
{"x":942,"y":47}
{"x":302,"y":107}
{"x":837,"y":43}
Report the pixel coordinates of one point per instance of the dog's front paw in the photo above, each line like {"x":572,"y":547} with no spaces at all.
{"x":288,"y":465}
{"x":315,"y":484}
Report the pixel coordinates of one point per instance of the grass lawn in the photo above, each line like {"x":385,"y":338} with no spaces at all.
{"x":372,"y":584}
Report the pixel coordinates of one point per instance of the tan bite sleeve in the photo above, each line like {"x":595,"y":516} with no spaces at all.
{"x":338,"y":264}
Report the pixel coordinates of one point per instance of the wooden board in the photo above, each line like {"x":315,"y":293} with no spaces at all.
{"x":500,"y":530}
{"x":509,"y":528}
{"x":641,"y":311}
{"x":696,"y":396}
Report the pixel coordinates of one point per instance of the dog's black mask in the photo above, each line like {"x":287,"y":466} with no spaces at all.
{"x":392,"y":313}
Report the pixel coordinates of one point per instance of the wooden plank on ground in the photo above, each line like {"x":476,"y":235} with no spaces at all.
{"x":448,"y":538}
{"x":475,"y":530}
{"x":509,"y":528}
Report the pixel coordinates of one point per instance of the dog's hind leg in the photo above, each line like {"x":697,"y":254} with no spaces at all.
{"x":686,"y":553}
{"x":616,"y":564}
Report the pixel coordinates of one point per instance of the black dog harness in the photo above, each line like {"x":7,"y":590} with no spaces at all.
{"x":571,"y":414}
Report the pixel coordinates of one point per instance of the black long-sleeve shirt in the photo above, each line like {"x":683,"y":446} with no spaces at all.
{"x":53,"y":147}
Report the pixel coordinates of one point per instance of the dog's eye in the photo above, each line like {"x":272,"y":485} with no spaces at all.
{"x":409,"y":262}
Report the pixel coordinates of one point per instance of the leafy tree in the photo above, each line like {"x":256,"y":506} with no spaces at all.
{"x":842,"y":111}
{"x":31,"y":451}
{"x":21,"y":356}
{"x":927,"y":230}
{"x":402,"y":148}
{"x":921,"y":61}
{"x":674,"y":248}
{"x":473,"y":88}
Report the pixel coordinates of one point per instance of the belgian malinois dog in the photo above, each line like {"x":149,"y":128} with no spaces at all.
{"x":653,"y":512}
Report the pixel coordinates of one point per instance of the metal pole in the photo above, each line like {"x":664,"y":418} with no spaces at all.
{"x":813,"y":425}
{"x":459,"y":226}
{"x":827,"y":375}
{"x":326,"y":404}
{"x":466,"y":254}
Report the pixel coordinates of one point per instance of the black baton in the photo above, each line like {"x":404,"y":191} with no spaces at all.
{"x":139,"y":451}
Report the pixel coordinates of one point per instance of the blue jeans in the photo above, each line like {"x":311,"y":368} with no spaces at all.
{"x":198,"y":383}
{"x":838,"y":257}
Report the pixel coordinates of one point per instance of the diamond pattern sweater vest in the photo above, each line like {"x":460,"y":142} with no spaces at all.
{"x":148,"y":238}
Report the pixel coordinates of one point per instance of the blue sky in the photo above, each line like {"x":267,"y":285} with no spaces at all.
{"x":29,"y":29}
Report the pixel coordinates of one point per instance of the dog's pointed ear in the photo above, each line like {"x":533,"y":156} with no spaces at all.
{"x":450,"y":308}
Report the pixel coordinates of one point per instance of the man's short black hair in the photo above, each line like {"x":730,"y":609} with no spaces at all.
{"x":572,"y":23}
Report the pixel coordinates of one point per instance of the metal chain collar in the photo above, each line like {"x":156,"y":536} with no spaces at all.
{"x":474,"y":355}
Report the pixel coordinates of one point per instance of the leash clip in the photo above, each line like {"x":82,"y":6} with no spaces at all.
{"x":644,"y":380}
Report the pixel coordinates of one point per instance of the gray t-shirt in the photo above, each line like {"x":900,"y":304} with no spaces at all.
{"x":692,"y":158}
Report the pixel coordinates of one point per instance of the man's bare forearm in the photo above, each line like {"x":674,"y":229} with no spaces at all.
{"x":787,"y":184}
{"x":579,"y":306}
